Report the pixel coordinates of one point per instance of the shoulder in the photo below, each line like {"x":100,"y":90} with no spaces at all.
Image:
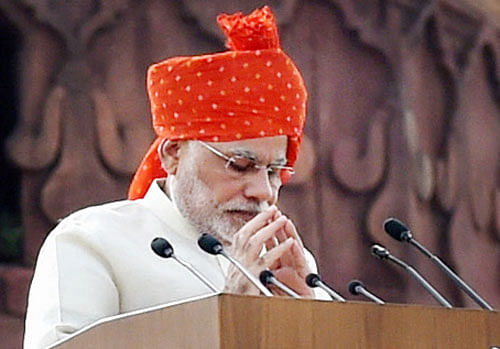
{"x":118,"y":208}
{"x":103,"y":223}
{"x":117,"y":211}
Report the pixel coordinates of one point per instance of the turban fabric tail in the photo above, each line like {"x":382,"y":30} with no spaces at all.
{"x":253,"y":90}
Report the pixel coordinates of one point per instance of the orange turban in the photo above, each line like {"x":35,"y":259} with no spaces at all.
{"x":253,"y":90}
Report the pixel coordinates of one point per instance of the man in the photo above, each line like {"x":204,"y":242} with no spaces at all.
{"x":229,"y":127}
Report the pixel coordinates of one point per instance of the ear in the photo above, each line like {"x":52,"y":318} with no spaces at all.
{"x":169,"y":153}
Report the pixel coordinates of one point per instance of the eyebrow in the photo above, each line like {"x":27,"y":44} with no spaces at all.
{"x":245,"y":154}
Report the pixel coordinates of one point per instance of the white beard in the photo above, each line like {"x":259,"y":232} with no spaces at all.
{"x":195,"y":201}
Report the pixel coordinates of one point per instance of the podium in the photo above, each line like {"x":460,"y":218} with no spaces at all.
{"x":234,"y":321}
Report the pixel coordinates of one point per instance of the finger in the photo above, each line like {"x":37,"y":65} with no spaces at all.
{"x":288,"y":259}
{"x":296,"y":258}
{"x":277,"y":215}
{"x":299,"y":259}
{"x":276,"y":265}
{"x":256,"y":241}
{"x":281,"y":236}
{"x":253,"y":225}
{"x":294,"y":280}
{"x":271,"y":243}
{"x":271,"y":257}
{"x":276,"y":291}
{"x":291,"y":231}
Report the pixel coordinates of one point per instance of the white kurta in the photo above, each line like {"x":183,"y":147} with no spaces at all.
{"x":98,"y":263}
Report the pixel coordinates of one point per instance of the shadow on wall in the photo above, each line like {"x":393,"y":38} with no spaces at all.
{"x":10,"y":176}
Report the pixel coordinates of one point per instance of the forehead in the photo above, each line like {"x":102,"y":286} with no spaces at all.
{"x":265,"y":148}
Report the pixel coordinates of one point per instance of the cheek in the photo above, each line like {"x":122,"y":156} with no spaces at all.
{"x":223,"y":189}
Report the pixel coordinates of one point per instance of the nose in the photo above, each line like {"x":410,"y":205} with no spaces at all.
{"x":259,"y":187}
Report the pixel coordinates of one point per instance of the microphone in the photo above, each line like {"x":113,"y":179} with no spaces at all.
{"x":400,"y":232}
{"x":267,"y":277}
{"x":382,"y":253}
{"x":313,"y":280}
{"x":356,"y":287}
{"x":164,"y":249}
{"x":211,"y":245}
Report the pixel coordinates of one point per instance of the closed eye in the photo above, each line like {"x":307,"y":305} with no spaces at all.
{"x":240,"y":164}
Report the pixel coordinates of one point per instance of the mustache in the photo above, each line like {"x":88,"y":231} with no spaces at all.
{"x":239,"y":205}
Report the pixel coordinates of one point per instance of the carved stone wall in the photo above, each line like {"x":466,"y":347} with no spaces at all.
{"x":403,"y":121}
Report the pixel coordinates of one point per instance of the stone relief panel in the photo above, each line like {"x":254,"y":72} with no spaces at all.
{"x":446,"y":78}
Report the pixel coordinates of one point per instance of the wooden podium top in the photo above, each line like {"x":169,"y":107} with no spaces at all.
{"x":233,"y":321}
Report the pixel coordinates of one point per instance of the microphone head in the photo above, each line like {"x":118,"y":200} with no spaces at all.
{"x":353,"y":286}
{"x":380,"y":251}
{"x":397,"y":229}
{"x":162,"y":247}
{"x":210,"y":244}
{"x":312,"y":280}
{"x":265,"y":277}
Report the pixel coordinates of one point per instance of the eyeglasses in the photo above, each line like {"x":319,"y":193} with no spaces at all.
{"x":240,"y":165}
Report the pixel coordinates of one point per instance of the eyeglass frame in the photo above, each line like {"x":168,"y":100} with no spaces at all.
{"x":254,"y":165}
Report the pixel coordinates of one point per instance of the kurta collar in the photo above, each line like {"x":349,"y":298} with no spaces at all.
{"x":161,"y":205}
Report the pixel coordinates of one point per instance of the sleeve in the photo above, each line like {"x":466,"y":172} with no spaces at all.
{"x":311,"y":261}
{"x":72,"y":287}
